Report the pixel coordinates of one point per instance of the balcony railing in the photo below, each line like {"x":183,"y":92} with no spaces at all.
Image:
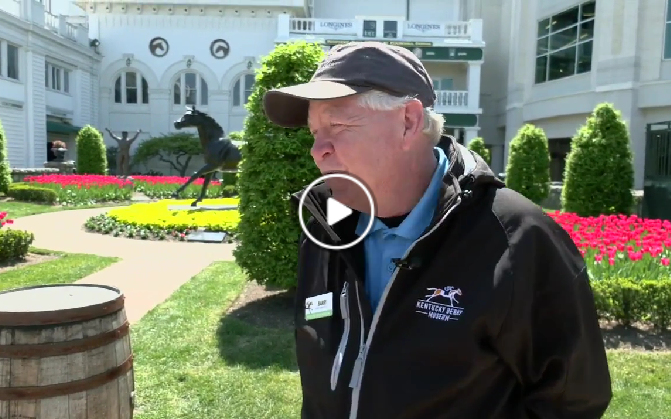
{"x":387,"y":29}
{"x":451,"y":98}
{"x":73,"y":28}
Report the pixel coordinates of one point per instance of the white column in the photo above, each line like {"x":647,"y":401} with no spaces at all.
{"x":474,"y":71}
{"x":283,"y":27}
{"x":471,"y":134}
{"x":104,"y":120}
{"x":29,"y":106}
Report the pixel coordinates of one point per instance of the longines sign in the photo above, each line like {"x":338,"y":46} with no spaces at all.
{"x":332,"y":42}
{"x":424,"y":29}
{"x":335,"y":27}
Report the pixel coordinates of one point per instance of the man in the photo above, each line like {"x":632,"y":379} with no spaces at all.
{"x":123,"y":151}
{"x":465,"y":301}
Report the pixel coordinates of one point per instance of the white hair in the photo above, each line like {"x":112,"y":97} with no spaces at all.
{"x":381,"y":101}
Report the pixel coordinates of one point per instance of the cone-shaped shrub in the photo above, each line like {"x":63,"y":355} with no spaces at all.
{"x":478,"y":145}
{"x":276,"y":162}
{"x":91,"y":152}
{"x":528,"y":170}
{"x":599,"y":174}
{"x":5,"y":171}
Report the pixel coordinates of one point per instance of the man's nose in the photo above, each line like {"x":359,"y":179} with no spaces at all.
{"x":321,"y":148}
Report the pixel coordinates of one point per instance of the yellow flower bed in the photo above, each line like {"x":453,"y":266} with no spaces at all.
{"x":156,"y":215}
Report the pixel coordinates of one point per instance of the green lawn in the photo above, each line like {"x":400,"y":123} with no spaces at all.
{"x":16,"y":209}
{"x":192,"y":363}
{"x":641,"y":385}
{"x":67,"y":268}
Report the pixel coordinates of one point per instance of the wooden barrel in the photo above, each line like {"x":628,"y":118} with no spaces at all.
{"x":65,"y":353}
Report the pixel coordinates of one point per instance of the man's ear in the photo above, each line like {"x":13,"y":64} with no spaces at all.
{"x":414,"y":121}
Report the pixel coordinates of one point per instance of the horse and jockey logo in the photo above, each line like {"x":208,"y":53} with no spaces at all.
{"x":440,"y":304}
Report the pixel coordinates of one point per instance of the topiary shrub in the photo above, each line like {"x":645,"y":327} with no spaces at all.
{"x":32,"y":193}
{"x":528,"y":169}
{"x":5,"y":171}
{"x":478,"y":146}
{"x":276,"y":162}
{"x":14,"y":244}
{"x":599,"y":174}
{"x":91,"y":152}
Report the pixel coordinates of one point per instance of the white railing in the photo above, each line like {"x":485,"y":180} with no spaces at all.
{"x":70,"y":31}
{"x":374,"y":28}
{"x":51,"y":22}
{"x":451,"y":98}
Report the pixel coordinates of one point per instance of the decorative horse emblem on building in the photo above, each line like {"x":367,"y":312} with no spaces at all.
{"x":447,"y":292}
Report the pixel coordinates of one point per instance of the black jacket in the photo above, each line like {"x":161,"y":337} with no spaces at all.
{"x":491,"y":315}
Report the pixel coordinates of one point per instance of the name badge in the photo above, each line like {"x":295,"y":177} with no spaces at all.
{"x":319,"y":306}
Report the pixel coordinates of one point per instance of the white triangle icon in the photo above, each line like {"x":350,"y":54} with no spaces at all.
{"x":336,"y":212}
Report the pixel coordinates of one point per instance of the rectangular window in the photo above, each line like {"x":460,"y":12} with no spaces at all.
{"x":56,"y":78}
{"x":131,"y":87}
{"x":564,"y":43}
{"x":12,"y":61}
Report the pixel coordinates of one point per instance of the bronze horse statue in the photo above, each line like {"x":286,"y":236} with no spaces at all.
{"x":220,"y":153}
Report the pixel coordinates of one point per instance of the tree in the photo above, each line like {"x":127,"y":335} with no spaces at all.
{"x":478,"y":145}
{"x":5,"y":171}
{"x":176,"y":149}
{"x":528,"y":170}
{"x":91,"y":152}
{"x":276,"y":162}
{"x":599,"y":174}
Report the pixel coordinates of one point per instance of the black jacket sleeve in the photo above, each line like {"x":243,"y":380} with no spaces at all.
{"x":550,"y":336}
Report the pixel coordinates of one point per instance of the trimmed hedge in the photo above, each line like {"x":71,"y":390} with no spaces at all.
{"x":14,"y":244}
{"x":528,"y":169}
{"x":32,"y":193}
{"x":478,"y":145}
{"x":599,"y":174}
{"x":91,"y":152}
{"x":276,"y":162}
{"x":629,"y":301}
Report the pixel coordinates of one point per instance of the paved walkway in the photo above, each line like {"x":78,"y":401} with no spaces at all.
{"x":149,"y":272}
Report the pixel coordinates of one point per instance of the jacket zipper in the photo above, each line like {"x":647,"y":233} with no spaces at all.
{"x":360,"y":363}
{"x":337,"y":360}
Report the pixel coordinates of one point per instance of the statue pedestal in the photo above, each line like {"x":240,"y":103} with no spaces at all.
{"x":64,"y":167}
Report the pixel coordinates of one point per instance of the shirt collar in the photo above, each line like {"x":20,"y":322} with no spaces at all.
{"x":422,"y":214}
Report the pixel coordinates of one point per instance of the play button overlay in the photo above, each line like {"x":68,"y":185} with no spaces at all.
{"x":336,"y":211}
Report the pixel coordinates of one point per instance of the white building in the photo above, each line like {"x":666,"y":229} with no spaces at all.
{"x":496,"y":64}
{"x":48,"y":79}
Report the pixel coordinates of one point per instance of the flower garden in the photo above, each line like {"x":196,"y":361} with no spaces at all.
{"x":74,"y":190}
{"x":155,"y":221}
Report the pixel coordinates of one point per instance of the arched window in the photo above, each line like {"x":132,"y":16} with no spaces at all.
{"x":242,"y":89}
{"x":190,"y":89}
{"x":131,"y":88}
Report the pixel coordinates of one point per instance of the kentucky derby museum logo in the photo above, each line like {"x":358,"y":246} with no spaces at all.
{"x":440,"y":304}
{"x":219,"y":49}
{"x":158,"y":47}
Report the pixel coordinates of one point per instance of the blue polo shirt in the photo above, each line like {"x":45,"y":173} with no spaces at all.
{"x":384,"y":244}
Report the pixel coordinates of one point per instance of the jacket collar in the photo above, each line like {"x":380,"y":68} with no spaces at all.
{"x":466,"y":172}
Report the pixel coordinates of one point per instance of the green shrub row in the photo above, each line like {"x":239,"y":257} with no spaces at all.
{"x":629,"y":301}
{"x":32,"y":193}
{"x":14,"y":244}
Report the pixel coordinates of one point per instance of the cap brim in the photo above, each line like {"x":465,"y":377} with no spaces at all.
{"x":288,"y":106}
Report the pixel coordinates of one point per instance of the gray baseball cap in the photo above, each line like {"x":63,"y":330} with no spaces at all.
{"x":347,"y":70}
